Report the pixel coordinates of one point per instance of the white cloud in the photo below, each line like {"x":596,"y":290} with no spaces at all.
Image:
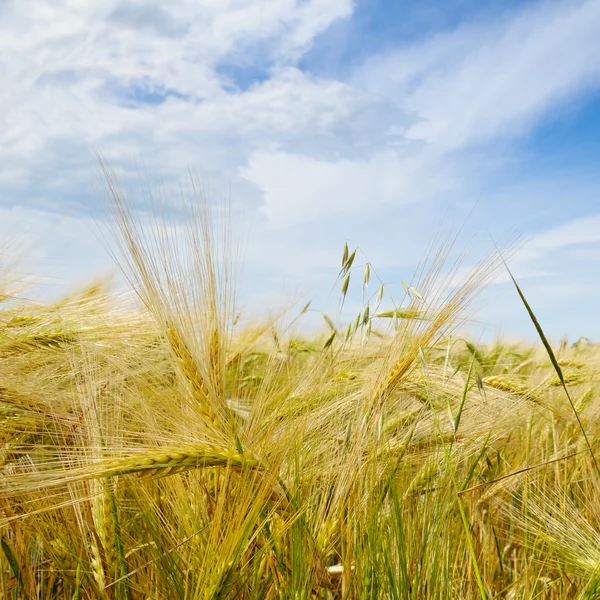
{"x":554,"y":249}
{"x":322,"y":158}
{"x":300,"y":189}
{"x":482,"y":82}
{"x":491,"y":80}
{"x":72,"y":63}
{"x":585,"y":230}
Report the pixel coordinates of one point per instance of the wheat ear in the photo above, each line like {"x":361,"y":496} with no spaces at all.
{"x":170,"y":461}
{"x":192,"y":374}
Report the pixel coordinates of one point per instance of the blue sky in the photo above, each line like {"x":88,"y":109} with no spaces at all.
{"x":324,"y":120}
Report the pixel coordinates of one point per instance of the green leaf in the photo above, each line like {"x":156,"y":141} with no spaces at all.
{"x":464,"y":396}
{"x":12,"y":561}
{"x":554,"y":362}
{"x":403,"y":314}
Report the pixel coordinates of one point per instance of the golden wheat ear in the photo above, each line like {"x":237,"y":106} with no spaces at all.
{"x":181,"y":261}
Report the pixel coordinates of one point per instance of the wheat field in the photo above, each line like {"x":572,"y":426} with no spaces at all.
{"x":172,"y":450}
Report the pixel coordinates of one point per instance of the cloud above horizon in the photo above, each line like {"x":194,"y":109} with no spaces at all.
{"x":381,"y":150}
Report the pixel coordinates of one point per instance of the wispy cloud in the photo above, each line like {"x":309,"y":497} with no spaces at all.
{"x":491,"y":80}
{"x":452,"y":101}
{"x":585,"y":230}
